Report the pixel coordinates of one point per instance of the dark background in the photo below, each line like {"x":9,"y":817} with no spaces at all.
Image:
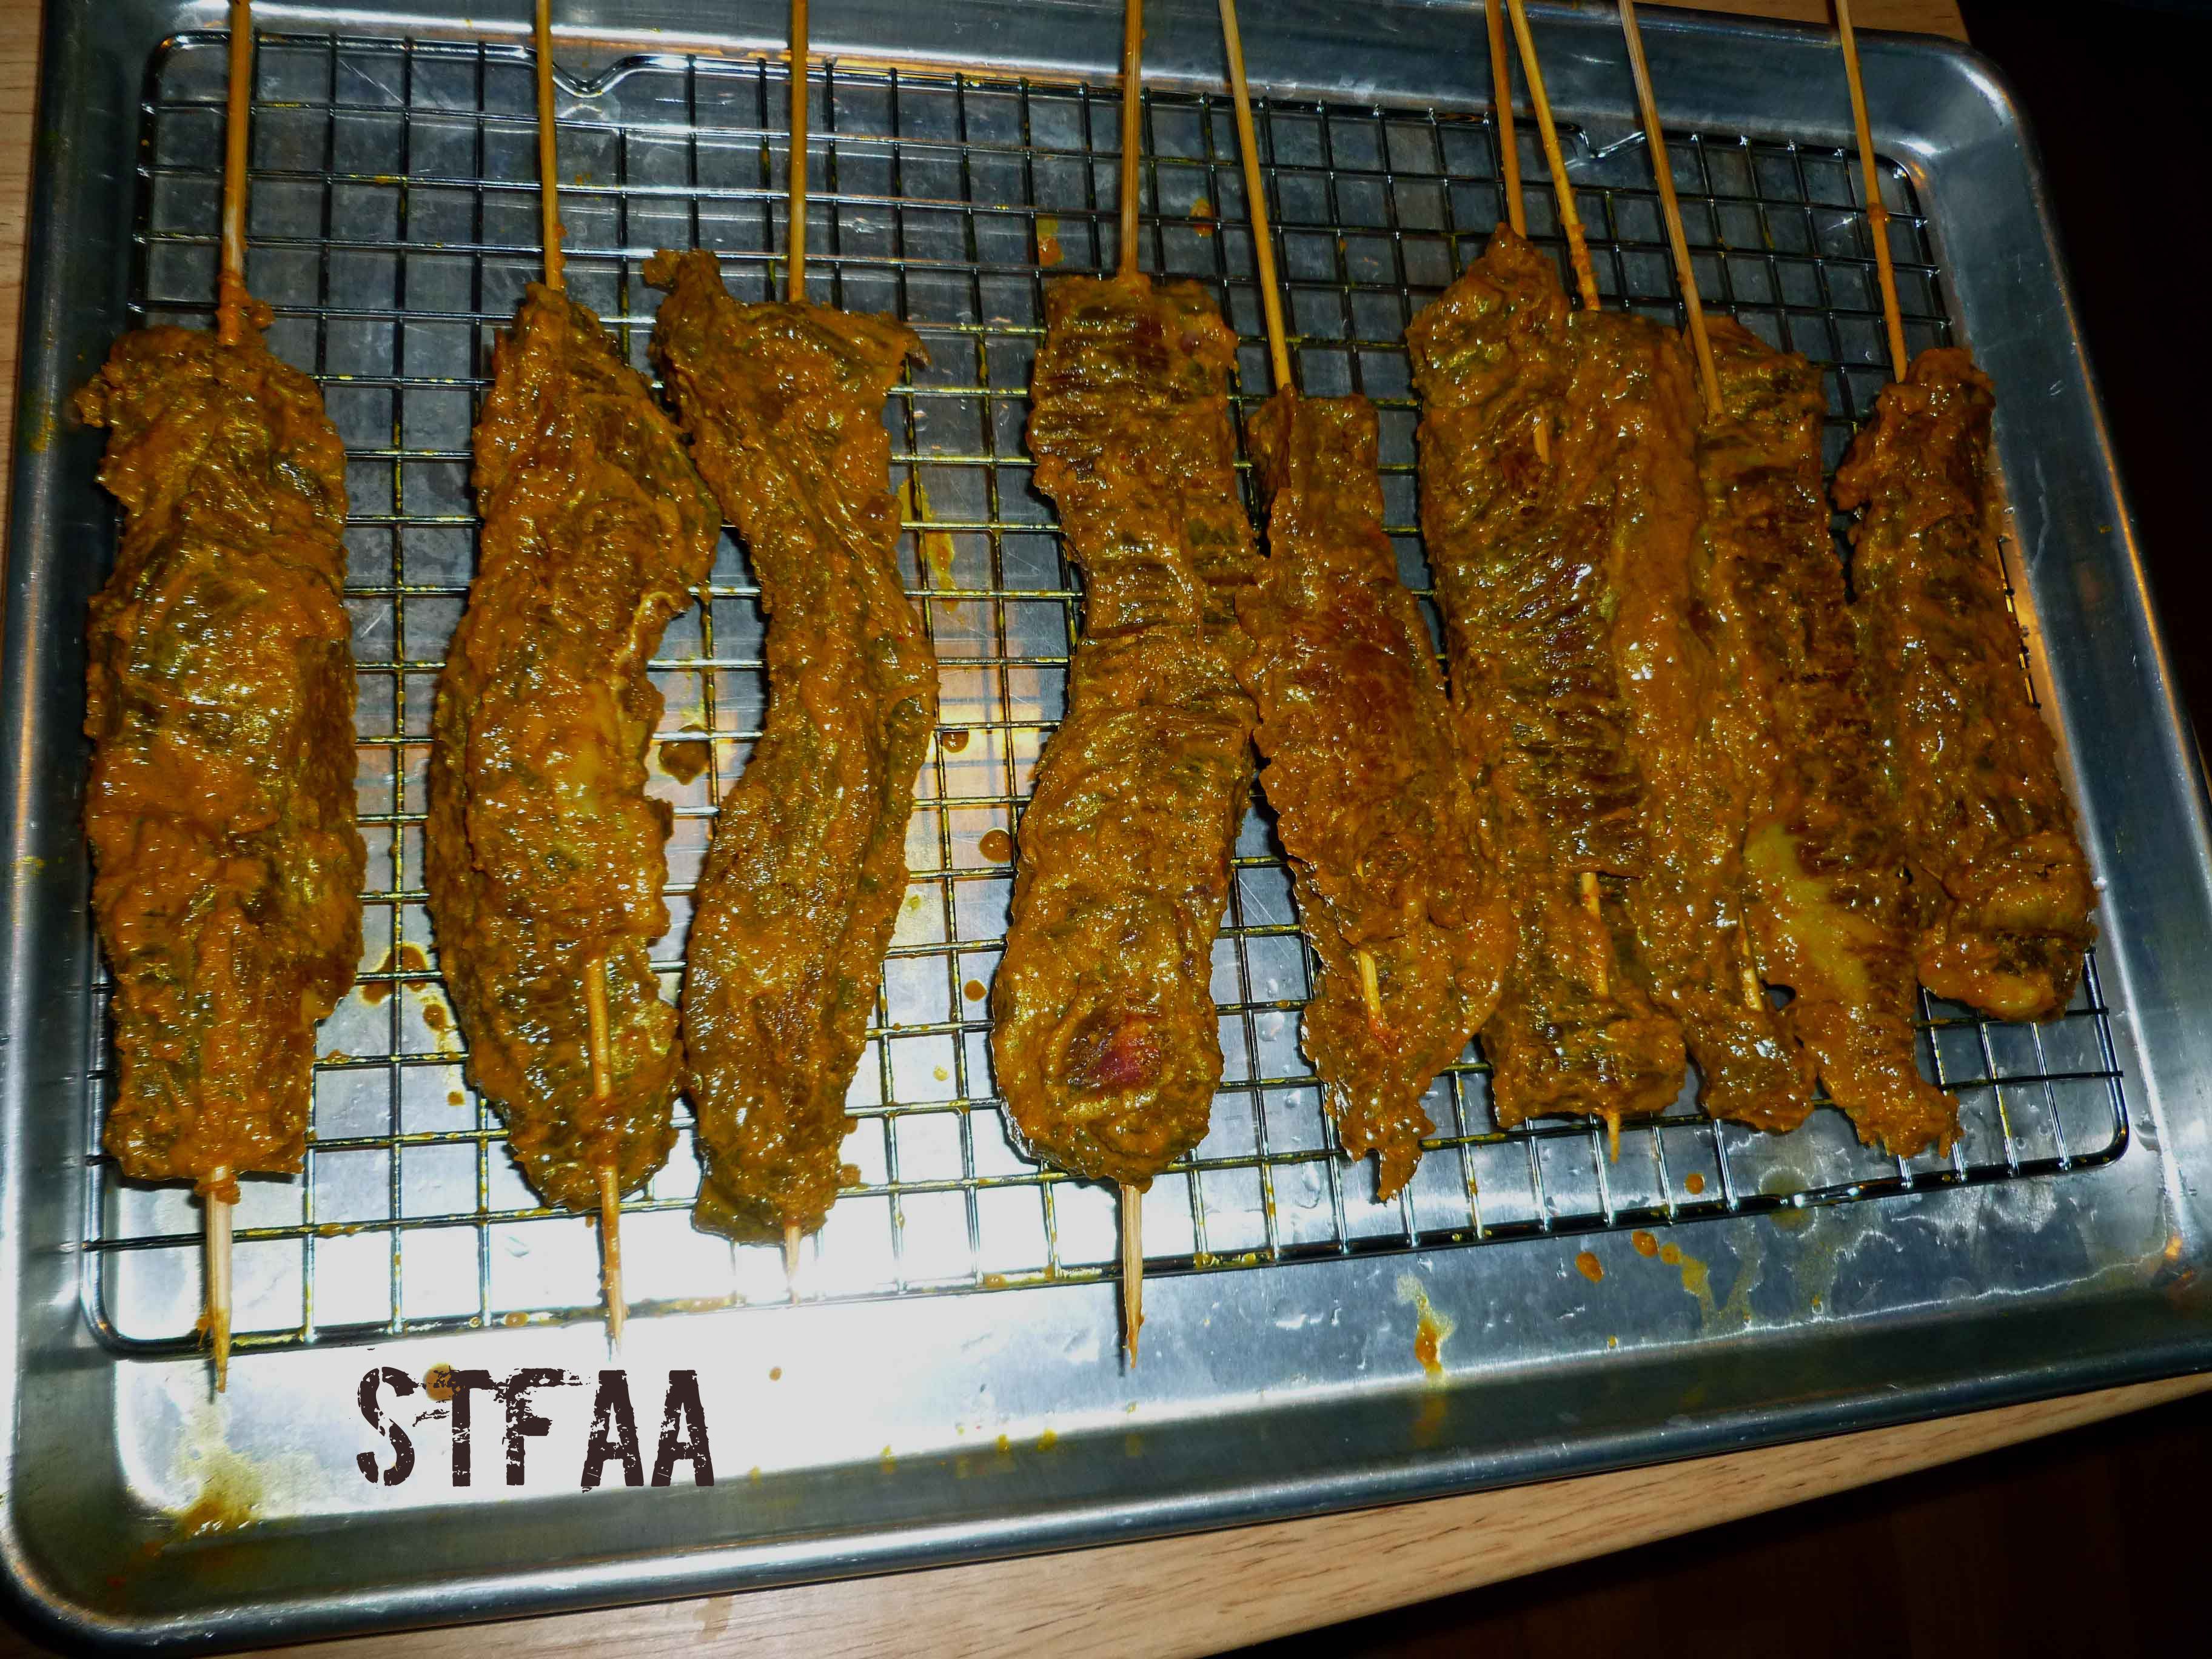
{"x":2065,"y":1545}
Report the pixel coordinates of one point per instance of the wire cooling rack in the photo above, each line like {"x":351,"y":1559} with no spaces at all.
{"x":393,"y":224}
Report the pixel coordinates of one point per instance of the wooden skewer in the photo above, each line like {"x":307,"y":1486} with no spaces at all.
{"x":795,"y":256}
{"x":229,"y":329}
{"x":1586,"y":883}
{"x":597,"y":1043}
{"x":603,"y":1089}
{"x":1256,"y":203}
{"x":548,"y":171}
{"x":219,"y":1216}
{"x":1370,"y":986}
{"x":230,"y":282}
{"x":795,"y":260}
{"x":1133,"y":1268}
{"x":1501,"y":93}
{"x":1655,"y":140}
{"x":1877,"y":213}
{"x":1509,"y":161}
{"x":1133,"y":152}
{"x":610,"y":1273}
{"x":1586,"y":280}
{"x":1132,"y":140}
{"x":1570,"y":221}
{"x":1271,"y":307}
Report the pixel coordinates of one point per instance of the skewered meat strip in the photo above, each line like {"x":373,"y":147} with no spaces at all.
{"x":220,"y":705}
{"x":1628,"y":461}
{"x":544,"y":859}
{"x":2001,"y":890}
{"x":1105,"y":1042}
{"x":1825,"y":858}
{"x":1543,"y":725}
{"x":795,"y":907}
{"x":1363,"y":774}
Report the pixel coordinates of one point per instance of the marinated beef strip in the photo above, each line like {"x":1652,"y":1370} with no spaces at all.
{"x":1628,"y":459}
{"x":1361,"y":766}
{"x":2001,"y":890}
{"x":801,"y":889}
{"x":220,"y":699}
{"x":1105,"y":1042}
{"x":545,"y":859}
{"x":1824,"y":857}
{"x":1528,"y":595}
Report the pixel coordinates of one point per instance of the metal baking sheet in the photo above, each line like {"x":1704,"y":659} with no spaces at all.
{"x":1747,"y":1288}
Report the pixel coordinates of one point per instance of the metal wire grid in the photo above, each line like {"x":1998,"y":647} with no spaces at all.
{"x":393,"y":224}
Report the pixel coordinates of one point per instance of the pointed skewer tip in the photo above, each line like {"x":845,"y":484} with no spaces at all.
{"x":598,"y":1055}
{"x":610,"y":1256}
{"x":1133,"y":1268}
{"x":791,"y":1238}
{"x":219,"y":1212}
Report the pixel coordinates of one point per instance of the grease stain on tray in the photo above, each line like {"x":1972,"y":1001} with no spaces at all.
{"x":936,"y":544}
{"x":230,"y":1499}
{"x":1780,"y":1183}
{"x":214,"y":1489}
{"x":1431,"y":1329}
{"x":407,"y":959}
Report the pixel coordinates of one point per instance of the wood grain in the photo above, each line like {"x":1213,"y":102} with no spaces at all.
{"x":1179,"y":1596}
{"x":1916,"y":17}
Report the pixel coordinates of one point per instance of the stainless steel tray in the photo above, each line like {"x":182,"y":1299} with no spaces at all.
{"x":901,"y":1416}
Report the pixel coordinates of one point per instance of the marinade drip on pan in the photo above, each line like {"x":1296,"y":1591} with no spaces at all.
{"x":1545,"y":730}
{"x":545,"y":857}
{"x":1105,"y":1042}
{"x":1824,"y":854}
{"x":801,"y":889}
{"x":2000,"y":891}
{"x":1363,"y":773}
{"x":220,"y":809}
{"x":1627,"y":464}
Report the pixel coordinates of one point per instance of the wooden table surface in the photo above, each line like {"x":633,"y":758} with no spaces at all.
{"x":1177,"y":1596}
